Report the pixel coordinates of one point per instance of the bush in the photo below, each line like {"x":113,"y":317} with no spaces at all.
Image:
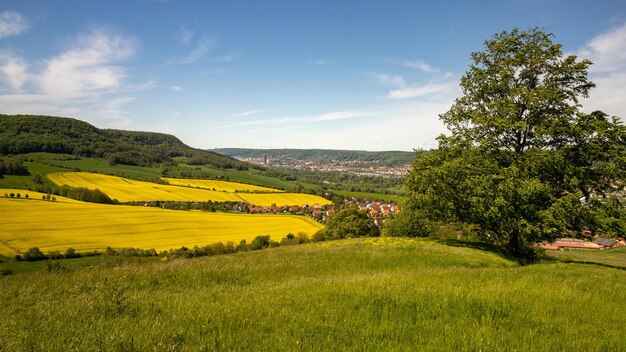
{"x":5,"y":272}
{"x":318,"y":236}
{"x":34,"y":254}
{"x":55,"y":255}
{"x":260,"y":242}
{"x":71,"y":253}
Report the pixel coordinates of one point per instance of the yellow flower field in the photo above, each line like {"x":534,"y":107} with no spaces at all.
{"x":83,"y":226}
{"x":127,"y":190}
{"x":219,"y":185}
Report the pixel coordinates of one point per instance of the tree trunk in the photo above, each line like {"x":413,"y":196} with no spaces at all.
{"x":513,"y":245}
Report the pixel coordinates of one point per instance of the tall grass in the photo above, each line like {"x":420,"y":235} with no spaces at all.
{"x":381,"y":294}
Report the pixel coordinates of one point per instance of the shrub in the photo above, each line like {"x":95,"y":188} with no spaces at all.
{"x":260,"y":242}
{"x":34,"y":254}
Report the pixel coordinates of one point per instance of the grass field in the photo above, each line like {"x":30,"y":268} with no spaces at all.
{"x":357,"y":295}
{"x":225,"y":186}
{"x":86,"y":226}
{"x":127,"y":190}
{"x":612,"y":257}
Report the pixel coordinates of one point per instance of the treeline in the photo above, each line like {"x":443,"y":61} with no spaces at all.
{"x":339,"y":180}
{"x":260,"y":242}
{"x":78,"y":193}
{"x":21,"y":134}
{"x":12,"y":166}
{"x":205,"y":206}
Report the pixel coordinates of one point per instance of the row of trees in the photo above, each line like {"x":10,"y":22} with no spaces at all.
{"x":522,"y":161}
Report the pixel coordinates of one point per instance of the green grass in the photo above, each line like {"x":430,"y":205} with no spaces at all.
{"x":376,"y":295}
{"x":46,"y":163}
{"x":611,"y":257}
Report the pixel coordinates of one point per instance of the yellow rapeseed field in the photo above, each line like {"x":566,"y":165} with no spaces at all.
{"x":219,"y":185}
{"x":127,"y":190}
{"x":83,"y":226}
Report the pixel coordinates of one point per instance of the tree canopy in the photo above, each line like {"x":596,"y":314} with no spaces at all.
{"x":522,"y":161}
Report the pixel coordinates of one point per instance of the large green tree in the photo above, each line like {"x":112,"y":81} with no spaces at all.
{"x":522,"y":162}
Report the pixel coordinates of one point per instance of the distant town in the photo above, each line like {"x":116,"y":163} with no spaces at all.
{"x":357,"y":167}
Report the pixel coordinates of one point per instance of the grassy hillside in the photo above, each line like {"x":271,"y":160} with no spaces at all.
{"x":20,"y":134}
{"x":368,"y":294}
{"x":67,"y":223}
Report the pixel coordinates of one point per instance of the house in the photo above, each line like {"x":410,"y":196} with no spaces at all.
{"x":605,"y":242}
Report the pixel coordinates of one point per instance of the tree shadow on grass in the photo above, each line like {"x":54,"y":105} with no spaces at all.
{"x":585,"y":262}
{"x":484,"y":246}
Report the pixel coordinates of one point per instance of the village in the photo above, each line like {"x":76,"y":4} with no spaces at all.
{"x":378,"y":211}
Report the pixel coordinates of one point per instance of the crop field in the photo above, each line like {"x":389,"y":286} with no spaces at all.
{"x":127,"y":190}
{"x":225,"y":186}
{"x":380,"y":294}
{"x":67,"y":223}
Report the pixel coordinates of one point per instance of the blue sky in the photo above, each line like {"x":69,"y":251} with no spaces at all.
{"x":370,"y":75}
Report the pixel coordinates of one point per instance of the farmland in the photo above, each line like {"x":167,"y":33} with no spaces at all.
{"x":86,"y":226}
{"x":224,"y":186}
{"x":127,"y":190}
{"x":360,"y":294}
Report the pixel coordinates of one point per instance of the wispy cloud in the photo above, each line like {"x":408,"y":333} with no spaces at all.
{"x":428,"y":89}
{"x":330,"y":116}
{"x":417,"y":64}
{"x":318,"y":62}
{"x":607,"y":51}
{"x":12,"y":23}
{"x":177,"y":88}
{"x":185,"y":35}
{"x":228,"y":58}
{"x":393,"y":80}
{"x":86,"y":78}
{"x":247,"y":113}
{"x":202,"y":47}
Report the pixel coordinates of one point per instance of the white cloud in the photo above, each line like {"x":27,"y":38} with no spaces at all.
{"x":607,"y":51}
{"x":12,"y":23}
{"x":88,"y":67}
{"x":247,"y":113}
{"x":185,"y":35}
{"x":177,"y":88}
{"x":203,"y":46}
{"x":85,"y":80}
{"x":330,"y":116}
{"x":428,"y":89}
{"x":417,"y":64}
{"x":393,"y":80}
{"x":14,"y":69}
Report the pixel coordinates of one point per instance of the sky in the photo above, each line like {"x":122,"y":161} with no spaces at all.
{"x":366,"y":75}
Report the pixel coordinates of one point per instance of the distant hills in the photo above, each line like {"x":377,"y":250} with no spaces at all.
{"x":21,"y":134}
{"x":386,"y":158}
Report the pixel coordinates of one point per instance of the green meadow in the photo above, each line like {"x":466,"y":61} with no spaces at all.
{"x":376,"y":294}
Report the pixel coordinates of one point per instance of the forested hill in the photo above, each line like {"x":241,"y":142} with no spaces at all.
{"x":33,"y":133}
{"x":386,"y":158}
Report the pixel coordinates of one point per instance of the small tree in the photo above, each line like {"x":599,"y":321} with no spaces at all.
{"x":34,"y":254}
{"x":346,"y":223}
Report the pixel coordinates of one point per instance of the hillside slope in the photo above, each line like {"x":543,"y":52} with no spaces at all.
{"x":387,"y":294}
{"x":21,"y":134}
